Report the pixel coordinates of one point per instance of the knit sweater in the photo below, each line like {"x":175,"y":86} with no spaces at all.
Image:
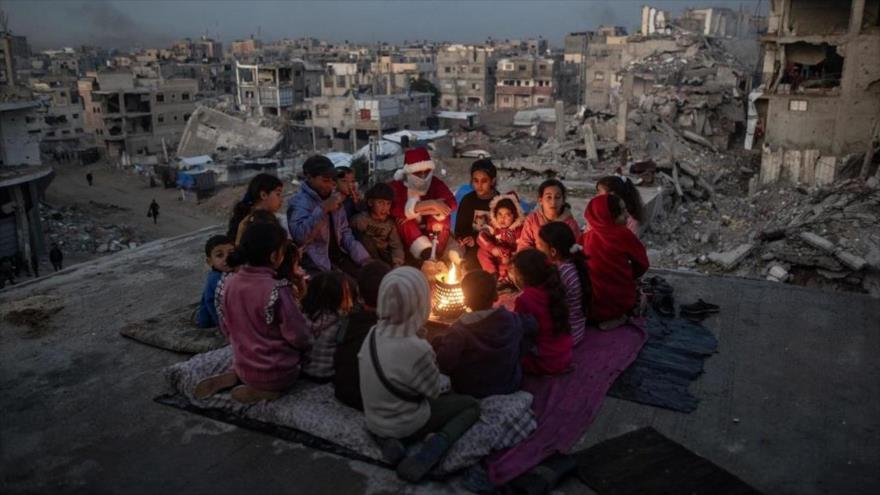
{"x":551,"y":353}
{"x":536,"y":219}
{"x":574,"y":298}
{"x":407,"y":360}
{"x":323,"y":331}
{"x":482,"y":352}
{"x":264,"y":325}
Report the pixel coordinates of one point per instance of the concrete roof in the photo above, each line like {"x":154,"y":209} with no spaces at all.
{"x":11,"y":106}
{"x":790,"y":403}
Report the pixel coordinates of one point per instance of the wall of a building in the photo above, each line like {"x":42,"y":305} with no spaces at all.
{"x":19,"y":145}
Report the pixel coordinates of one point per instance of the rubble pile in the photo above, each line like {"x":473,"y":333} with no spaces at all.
{"x":827,"y":237}
{"x":76,"y":230}
{"x":698,"y":86}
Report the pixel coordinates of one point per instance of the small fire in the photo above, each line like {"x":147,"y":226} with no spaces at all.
{"x":452,"y":276}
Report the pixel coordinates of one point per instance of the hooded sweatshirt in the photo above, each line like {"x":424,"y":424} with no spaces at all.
{"x":267,"y":332}
{"x":551,"y":354}
{"x":504,"y":238}
{"x":407,"y":359}
{"x":482,"y":352}
{"x":536,"y":219}
{"x":616,"y":259}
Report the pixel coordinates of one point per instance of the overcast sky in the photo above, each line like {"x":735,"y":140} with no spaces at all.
{"x":131,"y":23}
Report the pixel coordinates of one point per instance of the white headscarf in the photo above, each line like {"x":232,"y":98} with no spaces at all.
{"x":404,"y":303}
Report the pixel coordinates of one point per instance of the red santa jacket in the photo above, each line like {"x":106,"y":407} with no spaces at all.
{"x":404,"y":203}
{"x":616,"y":259}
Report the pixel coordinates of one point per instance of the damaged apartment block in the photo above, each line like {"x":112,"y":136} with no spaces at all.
{"x":816,"y":116}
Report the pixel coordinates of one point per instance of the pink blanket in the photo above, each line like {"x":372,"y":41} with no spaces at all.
{"x":566,"y":405}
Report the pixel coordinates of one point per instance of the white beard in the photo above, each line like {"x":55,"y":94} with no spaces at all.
{"x":418,"y":184}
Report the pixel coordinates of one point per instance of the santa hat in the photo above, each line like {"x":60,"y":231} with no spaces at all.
{"x":415,"y":160}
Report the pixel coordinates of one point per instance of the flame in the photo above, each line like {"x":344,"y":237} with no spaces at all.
{"x":452,"y":276}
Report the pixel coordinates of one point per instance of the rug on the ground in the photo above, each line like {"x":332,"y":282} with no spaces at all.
{"x":174,"y":331}
{"x":644,"y":462}
{"x":672,"y":358}
{"x":566,"y":405}
{"x":312,"y":409}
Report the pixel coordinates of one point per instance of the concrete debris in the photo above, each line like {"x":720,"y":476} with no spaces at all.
{"x":729,"y":259}
{"x":209,"y":131}
{"x":818,"y":242}
{"x":76,"y":229}
{"x":850,"y":260}
{"x":777,"y":273}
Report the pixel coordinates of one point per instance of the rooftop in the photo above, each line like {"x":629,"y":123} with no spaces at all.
{"x":790,"y":403}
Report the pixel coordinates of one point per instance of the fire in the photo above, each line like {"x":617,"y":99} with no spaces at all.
{"x":452,"y":276}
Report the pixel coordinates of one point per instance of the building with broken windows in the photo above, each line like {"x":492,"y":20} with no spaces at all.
{"x":335,"y":117}
{"x":466,"y":77}
{"x":61,"y":114}
{"x":270,"y":89}
{"x":820,"y":99}
{"x":524,"y":82}
{"x":394,"y":71}
{"x":136,"y":116}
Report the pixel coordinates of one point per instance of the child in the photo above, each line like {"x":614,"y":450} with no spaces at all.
{"x":217,"y":249}
{"x":347,"y":187}
{"x":497,"y":241}
{"x":263,"y":193}
{"x":543,"y":297}
{"x":551,"y":208}
{"x":346,"y":380}
{"x":482,"y":351}
{"x":616,"y":259}
{"x":623,"y":188}
{"x":376,"y":229}
{"x":400,"y":382}
{"x":291,"y":271}
{"x":262,"y":320}
{"x":473,"y":212}
{"x":557,"y":242}
{"x":327,"y":298}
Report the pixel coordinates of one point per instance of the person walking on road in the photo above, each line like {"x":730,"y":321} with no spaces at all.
{"x":56,"y":257}
{"x":89,"y":178}
{"x":153,"y":211}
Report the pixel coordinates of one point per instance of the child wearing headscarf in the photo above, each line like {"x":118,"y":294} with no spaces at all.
{"x":401,"y":385}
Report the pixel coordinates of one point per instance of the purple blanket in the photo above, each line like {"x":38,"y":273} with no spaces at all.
{"x":566,"y":405}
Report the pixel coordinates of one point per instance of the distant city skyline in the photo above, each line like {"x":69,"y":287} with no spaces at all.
{"x":157,"y":23}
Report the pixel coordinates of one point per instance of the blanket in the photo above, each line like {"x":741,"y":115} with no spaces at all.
{"x":644,"y":462}
{"x":175,"y":331}
{"x":566,"y":405}
{"x":311,"y":408}
{"x":672,"y":358}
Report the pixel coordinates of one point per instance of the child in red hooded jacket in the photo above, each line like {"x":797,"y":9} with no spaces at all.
{"x":616,"y":259}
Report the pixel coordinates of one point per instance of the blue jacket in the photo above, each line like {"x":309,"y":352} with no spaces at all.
{"x":207,"y":315}
{"x":309,"y":228}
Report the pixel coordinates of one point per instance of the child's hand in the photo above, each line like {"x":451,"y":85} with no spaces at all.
{"x":332,"y":203}
{"x":496,"y":252}
{"x":467,"y":241}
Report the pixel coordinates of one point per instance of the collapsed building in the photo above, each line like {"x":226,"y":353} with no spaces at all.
{"x":136,"y":116}
{"x":820,"y":97}
{"x":270,"y":89}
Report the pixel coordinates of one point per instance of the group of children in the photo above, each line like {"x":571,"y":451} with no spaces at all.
{"x":363,"y":328}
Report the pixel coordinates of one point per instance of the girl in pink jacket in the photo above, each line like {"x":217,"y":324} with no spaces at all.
{"x":262,"y":320}
{"x":551,"y":208}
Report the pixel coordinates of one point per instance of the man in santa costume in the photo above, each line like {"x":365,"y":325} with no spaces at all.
{"x":422,"y":205}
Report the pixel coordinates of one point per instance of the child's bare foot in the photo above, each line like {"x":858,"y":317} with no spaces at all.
{"x":213,"y":384}
{"x":248,"y":395}
{"x":611,"y":324}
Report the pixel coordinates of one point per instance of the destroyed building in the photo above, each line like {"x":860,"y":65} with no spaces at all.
{"x":525,"y":81}
{"x":466,"y":77}
{"x":604,"y":58}
{"x":63,"y":129}
{"x":395,"y":70}
{"x":136,"y":116}
{"x":368,"y":115}
{"x":820,"y":96}
{"x":270,"y":89}
{"x":338,"y":78}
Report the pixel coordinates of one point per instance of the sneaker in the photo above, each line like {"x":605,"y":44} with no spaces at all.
{"x":416,"y":466}
{"x":393,"y":450}
{"x":213,"y":384}
{"x":249,"y":395}
{"x":700,"y":307}
{"x":664,"y":305}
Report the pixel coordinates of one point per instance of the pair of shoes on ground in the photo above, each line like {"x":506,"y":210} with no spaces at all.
{"x":699,"y":309}
{"x":414,"y":467}
{"x":240,"y":393}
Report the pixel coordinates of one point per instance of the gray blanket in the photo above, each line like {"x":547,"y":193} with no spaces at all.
{"x":175,"y":331}
{"x":505,"y":419}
